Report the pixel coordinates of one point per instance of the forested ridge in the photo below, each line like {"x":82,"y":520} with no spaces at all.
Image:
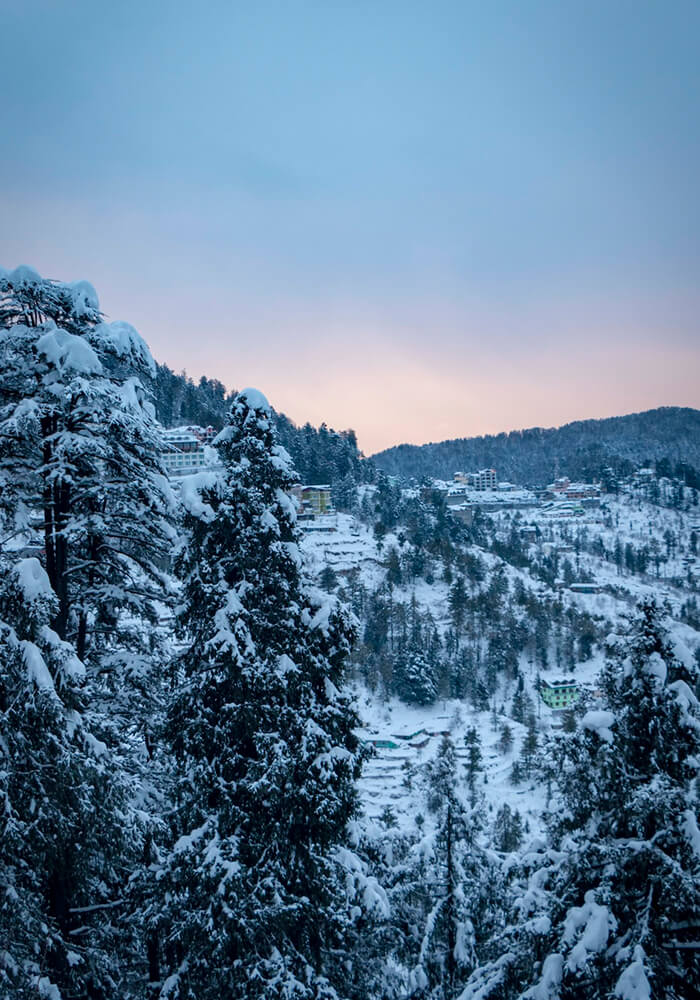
{"x":580,"y":450}
{"x":320,"y":454}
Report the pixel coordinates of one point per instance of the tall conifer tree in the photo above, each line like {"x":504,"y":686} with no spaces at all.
{"x":253,"y":900}
{"x":82,"y":487}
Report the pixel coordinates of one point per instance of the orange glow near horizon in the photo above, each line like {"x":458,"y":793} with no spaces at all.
{"x":391,"y":396}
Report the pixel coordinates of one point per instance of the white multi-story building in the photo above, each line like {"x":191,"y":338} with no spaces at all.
{"x":485,"y":479}
{"x":182,"y":452}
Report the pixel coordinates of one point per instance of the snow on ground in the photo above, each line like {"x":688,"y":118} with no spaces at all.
{"x":384,"y":779}
{"x":383,"y":784}
{"x":350,"y":546}
{"x":417,"y":732}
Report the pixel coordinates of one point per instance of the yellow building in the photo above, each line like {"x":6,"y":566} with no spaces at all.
{"x":314,"y":500}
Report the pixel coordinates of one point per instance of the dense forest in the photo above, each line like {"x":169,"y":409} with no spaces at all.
{"x":581,"y":450}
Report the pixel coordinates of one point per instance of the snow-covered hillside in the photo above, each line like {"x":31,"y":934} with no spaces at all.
{"x":587,"y":543}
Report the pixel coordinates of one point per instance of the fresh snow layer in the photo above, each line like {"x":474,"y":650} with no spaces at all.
{"x":254,"y":399}
{"x":85,"y":298}
{"x":126,"y":342}
{"x":36,"y":667}
{"x":550,"y":981}
{"x":33,"y":579}
{"x":66,"y":351}
{"x":191,"y":494}
{"x":633,"y":983}
{"x":597,"y":923}
{"x":599,"y":723}
{"x":22,"y":275}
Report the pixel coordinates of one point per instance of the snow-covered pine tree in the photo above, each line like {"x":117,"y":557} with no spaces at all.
{"x":415,"y":679}
{"x":79,"y":448}
{"x":612,"y":908}
{"x":81,"y":485}
{"x":251,"y":900}
{"x":457,"y":891}
{"x":507,"y":829}
{"x":474,"y":763}
{"x":62,"y":807}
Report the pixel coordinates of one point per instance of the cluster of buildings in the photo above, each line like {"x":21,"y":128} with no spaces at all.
{"x":562,"y":498}
{"x":482,"y":491}
{"x":564,"y":489}
{"x":185,"y":451}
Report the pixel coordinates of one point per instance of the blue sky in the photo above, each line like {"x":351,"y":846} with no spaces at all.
{"x":420,"y":220}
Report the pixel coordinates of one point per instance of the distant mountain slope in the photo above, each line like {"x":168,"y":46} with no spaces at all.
{"x":580,"y":450}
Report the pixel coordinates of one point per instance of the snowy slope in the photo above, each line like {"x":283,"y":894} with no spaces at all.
{"x":386,"y":781}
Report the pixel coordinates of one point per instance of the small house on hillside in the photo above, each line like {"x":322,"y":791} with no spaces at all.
{"x":315,"y":500}
{"x":559,"y":694}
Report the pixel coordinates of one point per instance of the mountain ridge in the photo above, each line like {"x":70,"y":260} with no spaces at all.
{"x":579,"y":448}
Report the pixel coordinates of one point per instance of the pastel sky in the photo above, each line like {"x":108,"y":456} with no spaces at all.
{"x":421,"y":220}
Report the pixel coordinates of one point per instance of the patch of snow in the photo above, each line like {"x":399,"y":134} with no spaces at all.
{"x":682,"y":653}
{"x":254,"y":400}
{"x":485,"y":980}
{"x":599,"y":723}
{"x":322,"y":616}
{"x":548,"y":986}
{"x":373,"y":895}
{"x":66,"y":351}
{"x":71,"y":665}
{"x":417,"y":981}
{"x":332,"y":691}
{"x":191,"y":494}
{"x":685,"y":696}
{"x":126,"y":342}
{"x":23,"y":276}
{"x":464,"y":944}
{"x":656,"y":666}
{"x":36,"y":667}
{"x":33,"y":579}
{"x":285,"y":665}
{"x":85,"y":298}
{"x":97,"y":747}
{"x":691,"y":831}
{"x":597,"y":923}
{"x":633,"y":983}
{"x":231,"y":630}
{"x":281,"y":459}
{"x":170,"y":985}
{"x":48,"y":990}
{"x":294,"y":554}
{"x":131,"y":392}
{"x":187,"y":841}
{"x":269,"y":522}
{"x":287,"y":503}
